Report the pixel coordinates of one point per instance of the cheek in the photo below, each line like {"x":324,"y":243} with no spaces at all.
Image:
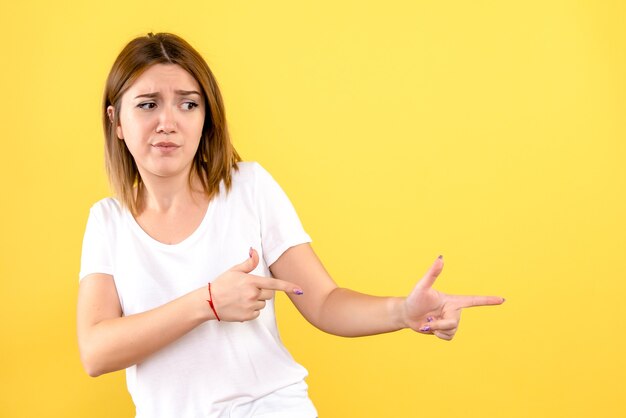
{"x":198,"y":125}
{"x":119,"y":132}
{"x":123,"y":125}
{"x":132,"y":128}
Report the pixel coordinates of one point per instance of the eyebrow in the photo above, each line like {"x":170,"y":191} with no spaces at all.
{"x":178,"y":92}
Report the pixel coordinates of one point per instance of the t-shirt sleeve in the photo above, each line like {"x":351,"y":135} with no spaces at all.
{"x":96,"y":253}
{"x":281,"y":228}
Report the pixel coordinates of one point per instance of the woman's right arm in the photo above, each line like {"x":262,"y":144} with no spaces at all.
{"x":109,"y":341}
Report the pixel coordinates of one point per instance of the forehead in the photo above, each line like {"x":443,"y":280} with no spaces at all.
{"x":164,"y":78}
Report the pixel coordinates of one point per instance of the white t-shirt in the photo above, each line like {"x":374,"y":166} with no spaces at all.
{"x":219,"y":369}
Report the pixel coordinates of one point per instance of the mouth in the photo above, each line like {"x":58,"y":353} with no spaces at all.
{"x":165,"y":146}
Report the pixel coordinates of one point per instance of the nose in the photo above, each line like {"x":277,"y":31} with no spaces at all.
{"x":167,"y":122}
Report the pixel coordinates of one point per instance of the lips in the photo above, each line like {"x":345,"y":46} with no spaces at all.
{"x":165,"y":146}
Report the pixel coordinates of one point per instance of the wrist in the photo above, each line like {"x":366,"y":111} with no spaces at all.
{"x":398,"y":312}
{"x":202,"y":311}
{"x":211,"y":303}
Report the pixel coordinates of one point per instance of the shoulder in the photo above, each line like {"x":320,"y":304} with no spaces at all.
{"x":248,"y":171}
{"x":107,"y":210}
{"x":250,"y":174}
{"x":253,"y":183}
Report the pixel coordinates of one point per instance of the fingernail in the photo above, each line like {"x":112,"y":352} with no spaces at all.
{"x":430,"y":319}
{"x":425,"y":328}
{"x":250,"y":252}
{"x":298,"y":291}
{"x":503,"y":300}
{"x":440,"y":257}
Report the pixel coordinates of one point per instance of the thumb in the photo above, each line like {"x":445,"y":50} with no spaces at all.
{"x":429,"y":278}
{"x":250,"y":264}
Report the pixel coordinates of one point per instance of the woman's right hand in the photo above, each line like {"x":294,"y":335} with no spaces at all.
{"x":239,"y":296}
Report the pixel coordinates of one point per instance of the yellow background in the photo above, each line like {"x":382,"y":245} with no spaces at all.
{"x":492,"y":132}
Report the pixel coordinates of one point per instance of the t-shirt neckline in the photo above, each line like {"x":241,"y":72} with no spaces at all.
{"x":189,"y":240}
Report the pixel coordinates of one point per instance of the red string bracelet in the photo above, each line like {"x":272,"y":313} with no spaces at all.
{"x":210,"y":300}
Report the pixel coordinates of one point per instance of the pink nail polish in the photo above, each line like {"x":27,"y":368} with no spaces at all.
{"x":298,"y":291}
{"x":440,"y":257}
{"x":250,"y":252}
{"x":430,"y":319}
{"x":425,"y":328}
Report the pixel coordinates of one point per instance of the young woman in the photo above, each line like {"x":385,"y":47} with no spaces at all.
{"x":178,"y":273}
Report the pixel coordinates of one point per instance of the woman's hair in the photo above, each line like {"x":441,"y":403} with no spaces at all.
{"x":215,"y":157}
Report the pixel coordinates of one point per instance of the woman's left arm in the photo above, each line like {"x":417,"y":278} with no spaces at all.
{"x":348,"y":313}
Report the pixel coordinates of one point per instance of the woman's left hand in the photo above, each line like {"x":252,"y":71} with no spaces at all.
{"x":429,"y":311}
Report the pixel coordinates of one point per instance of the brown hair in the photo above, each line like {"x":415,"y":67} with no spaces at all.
{"x":215,"y":157}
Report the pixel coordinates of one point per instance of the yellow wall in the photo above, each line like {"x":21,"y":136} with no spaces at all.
{"x":490,"y":132}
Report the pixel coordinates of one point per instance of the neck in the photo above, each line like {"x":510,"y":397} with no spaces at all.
{"x":167,"y":194}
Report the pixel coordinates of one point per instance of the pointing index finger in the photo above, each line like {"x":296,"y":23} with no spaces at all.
{"x":277,"y":284}
{"x":472,"y":301}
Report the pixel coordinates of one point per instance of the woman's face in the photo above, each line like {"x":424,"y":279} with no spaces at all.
{"x":161,"y":119}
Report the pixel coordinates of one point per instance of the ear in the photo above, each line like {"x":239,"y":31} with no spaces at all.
{"x":118,"y":128}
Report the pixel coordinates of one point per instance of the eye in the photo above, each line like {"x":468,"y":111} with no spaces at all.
{"x":146,"y":105}
{"x":189,"y":105}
